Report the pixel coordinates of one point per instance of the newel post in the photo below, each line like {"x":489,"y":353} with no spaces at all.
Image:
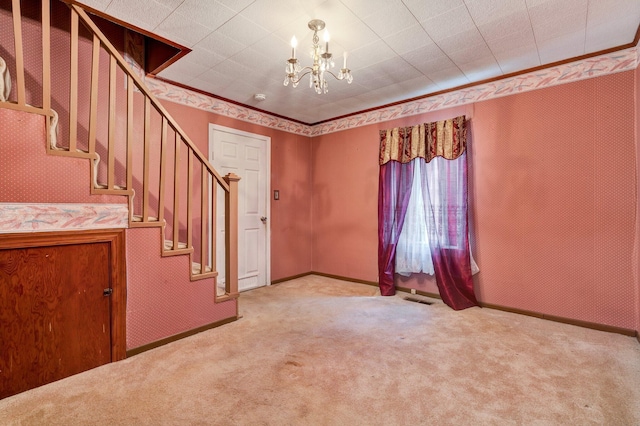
{"x":231,"y":235}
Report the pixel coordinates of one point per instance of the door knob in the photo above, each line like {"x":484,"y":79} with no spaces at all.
{"x":263,"y":219}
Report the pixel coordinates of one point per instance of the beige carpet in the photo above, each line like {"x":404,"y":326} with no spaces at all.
{"x":316,"y":351}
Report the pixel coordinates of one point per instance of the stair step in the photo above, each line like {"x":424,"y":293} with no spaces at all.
{"x":66,"y":149}
{"x":138,"y":218}
{"x":105,"y":186}
{"x":168,"y":245}
{"x":195,"y":269}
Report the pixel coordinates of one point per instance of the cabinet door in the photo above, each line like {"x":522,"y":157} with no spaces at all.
{"x":54,"y":317}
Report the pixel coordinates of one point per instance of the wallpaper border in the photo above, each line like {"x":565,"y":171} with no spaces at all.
{"x":41,"y":217}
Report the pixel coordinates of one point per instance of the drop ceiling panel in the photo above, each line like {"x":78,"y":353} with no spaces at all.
{"x":242,"y":30}
{"x":487,"y":11}
{"x":500,"y":28}
{"x":449,"y":24}
{"x":425,"y":10}
{"x":559,"y":48}
{"x":370,"y":54}
{"x":205,"y":57}
{"x":381,"y":24}
{"x":146,"y":14}
{"x":523,"y":39}
{"x":210,"y":14}
{"x":518,"y":59}
{"x":178,"y":26}
{"x":222,"y":45}
{"x":183,"y":70}
{"x":273,"y":15}
{"x":408,"y":39}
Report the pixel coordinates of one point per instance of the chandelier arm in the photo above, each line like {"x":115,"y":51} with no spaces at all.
{"x":334,"y":76}
{"x":296,"y":81}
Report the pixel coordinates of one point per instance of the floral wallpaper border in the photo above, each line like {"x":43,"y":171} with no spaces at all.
{"x":27,"y":217}
{"x":610,"y":63}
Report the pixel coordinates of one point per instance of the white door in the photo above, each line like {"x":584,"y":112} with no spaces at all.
{"x":247,"y":155}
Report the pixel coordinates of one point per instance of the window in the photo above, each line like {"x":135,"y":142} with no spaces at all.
{"x":439,"y":183}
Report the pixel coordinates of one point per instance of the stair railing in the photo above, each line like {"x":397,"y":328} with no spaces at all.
{"x":181,"y":197}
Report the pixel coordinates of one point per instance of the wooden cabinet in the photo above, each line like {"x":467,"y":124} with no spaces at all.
{"x":61,"y":299}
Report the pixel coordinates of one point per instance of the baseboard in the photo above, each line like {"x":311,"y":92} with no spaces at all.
{"x":322,"y":274}
{"x":162,"y":342}
{"x":338,"y":277}
{"x":293,"y":277}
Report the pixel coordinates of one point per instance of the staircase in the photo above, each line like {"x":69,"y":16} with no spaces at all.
{"x":104,"y":113}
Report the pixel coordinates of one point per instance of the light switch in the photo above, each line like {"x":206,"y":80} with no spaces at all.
{"x":276,"y":194}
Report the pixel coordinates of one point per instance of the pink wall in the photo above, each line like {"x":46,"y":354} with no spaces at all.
{"x":553,"y":189}
{"x":636,"y":253}
{"x":161,"y":299}
{"x":29,"y":175}
{"x":290,"y":174}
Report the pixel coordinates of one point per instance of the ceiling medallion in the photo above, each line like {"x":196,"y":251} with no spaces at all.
{"x":322,"y":63}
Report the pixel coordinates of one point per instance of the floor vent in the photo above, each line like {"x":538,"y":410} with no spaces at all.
{"x":424,"y":302}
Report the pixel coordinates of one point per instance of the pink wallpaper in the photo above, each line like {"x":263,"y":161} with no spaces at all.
{"x":636,"y":252}
{"x":553,"y":188}
{"x":554,"y":199}
{"x":29,"y":175}
{"x":161,"y":299}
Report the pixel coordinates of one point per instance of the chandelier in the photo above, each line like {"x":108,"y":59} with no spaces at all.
{"x":322,"y":63}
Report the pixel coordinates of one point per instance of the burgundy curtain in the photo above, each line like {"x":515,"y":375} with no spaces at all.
{"x":442,"y":146}
{"x":445,"y":203}
{"x":394,"y":189}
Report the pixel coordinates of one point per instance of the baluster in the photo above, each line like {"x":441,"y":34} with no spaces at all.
{"x":129,"y":133}
{"x":93,"y":108}
{"x":212,"y":231}
{"x":203,"y":218}
{"x":163,"y":165}
{"x":46,"y":58}
{"x":17,"y":30}
{"x":147,"y":149}
{"x":176,"y":192}
{"x":111,"y":153}
{"x":189,"y":200}
{"x":73,"y":85}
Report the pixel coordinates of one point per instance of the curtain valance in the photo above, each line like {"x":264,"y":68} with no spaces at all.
{"x":445,"y":138}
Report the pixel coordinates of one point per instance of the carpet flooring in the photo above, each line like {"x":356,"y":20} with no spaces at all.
{"x":318,"y":351}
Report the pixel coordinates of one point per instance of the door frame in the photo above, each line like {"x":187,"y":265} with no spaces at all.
{"x":117,"y":271}
{"x":267,"y":195}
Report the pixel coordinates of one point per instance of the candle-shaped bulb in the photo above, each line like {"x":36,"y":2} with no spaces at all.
{"x":326,"y":40}
{"x":294,"y":44}
{"x":345,"y":60}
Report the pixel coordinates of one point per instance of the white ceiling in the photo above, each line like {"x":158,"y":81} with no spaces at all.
{"x":398,"y":49}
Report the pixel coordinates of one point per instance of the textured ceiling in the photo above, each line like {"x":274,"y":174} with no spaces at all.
{"x":398,"y":49}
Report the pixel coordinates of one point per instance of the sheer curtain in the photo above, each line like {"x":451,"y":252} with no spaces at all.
{"x":424,"y":167}
{"x":413,"y":251}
